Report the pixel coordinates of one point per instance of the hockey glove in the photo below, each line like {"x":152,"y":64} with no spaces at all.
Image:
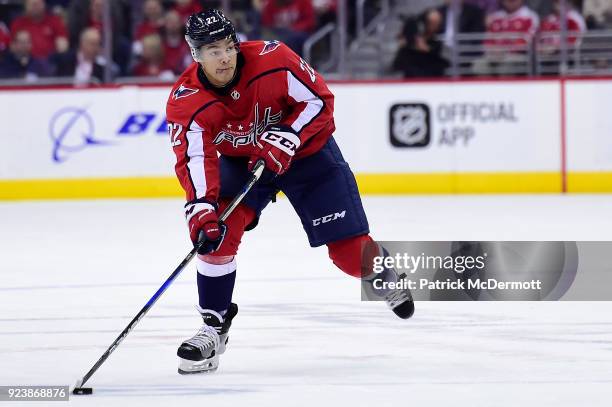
{"x":277,"y":146}
{"x":204,"y":226}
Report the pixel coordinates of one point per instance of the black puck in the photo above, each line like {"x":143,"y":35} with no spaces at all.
{"x":82,"y":390}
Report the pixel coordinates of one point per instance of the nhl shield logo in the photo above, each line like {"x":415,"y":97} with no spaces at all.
{"x":235,"y":95}
{"x":409,"y":125}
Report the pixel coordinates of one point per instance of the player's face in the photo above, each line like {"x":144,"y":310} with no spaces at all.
{"x":218,"y":61}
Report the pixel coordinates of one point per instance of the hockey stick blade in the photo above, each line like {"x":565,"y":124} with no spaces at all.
{"x":78,"y":389}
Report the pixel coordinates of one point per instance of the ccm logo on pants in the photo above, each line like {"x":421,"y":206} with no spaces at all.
{"x":328,"y":218}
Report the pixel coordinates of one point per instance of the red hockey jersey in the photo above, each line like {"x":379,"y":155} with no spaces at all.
{"x":552,"y":24}
{"x":522,"y":21}
{"x":272,"y":85}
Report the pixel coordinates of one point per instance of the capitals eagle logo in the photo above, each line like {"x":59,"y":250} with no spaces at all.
{"x":269,"y":46}
{"x":183,"y":91}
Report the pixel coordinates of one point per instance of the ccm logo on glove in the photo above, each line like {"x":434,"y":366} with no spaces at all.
{"x":277,"y":146}
{"x":283,"y":140}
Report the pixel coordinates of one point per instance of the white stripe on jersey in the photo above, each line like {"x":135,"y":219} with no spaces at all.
{"x":301,"y":93}
{"x":195,"y":152}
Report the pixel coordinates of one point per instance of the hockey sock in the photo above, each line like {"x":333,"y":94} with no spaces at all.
{"x":388,"y":275}
{"x":351,"y":255}
{"x":216,"y":285}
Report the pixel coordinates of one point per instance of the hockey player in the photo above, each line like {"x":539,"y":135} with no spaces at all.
{"x":240,"y":103}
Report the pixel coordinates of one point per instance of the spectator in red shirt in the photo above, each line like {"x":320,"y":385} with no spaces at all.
{"x":96,"y":15}
{"x":84,"y":14}
{"x":549,"y":41}
{"x":47,"y":31}
{"x":514,"y":18}
{"x":176,"y":51}
{"x":290,"y":21}
{"x":152,"y":23}
{"x":185,"y":8}
{"x":512,"y":29}
{"x":552,"y":24}
{"x":153,"y":62}
{"x":153,"y":13}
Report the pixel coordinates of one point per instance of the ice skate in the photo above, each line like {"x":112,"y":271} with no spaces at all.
{"x":391,"y":287}
{"x":400,"y":300}
{"x":200,"y":353}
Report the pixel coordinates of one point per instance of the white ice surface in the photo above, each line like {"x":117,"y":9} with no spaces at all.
{"x":73,"y":274}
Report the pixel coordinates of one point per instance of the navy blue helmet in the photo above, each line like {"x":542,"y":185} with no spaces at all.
{"x":207,"y":27}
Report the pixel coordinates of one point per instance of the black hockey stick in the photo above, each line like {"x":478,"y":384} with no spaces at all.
{"x":78,"y":388}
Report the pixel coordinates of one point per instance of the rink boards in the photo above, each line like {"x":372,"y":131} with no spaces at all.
{"x":520,"y":136}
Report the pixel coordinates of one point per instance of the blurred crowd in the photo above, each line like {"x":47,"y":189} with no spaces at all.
{"x":65,"y":38}
{"x":42,"y":38}
{"x":509,"y":26}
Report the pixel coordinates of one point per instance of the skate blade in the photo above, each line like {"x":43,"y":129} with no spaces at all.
{"x":193,"y":367}
{"x":404,"y":310}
